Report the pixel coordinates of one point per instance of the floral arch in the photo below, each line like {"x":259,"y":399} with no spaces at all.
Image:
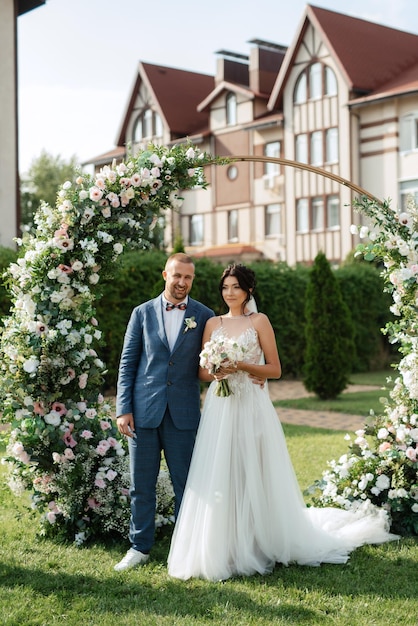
{"x":63,"y":445}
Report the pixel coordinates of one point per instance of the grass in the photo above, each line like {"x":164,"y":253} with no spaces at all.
{"x":353,"y":403}
{"x":43,"y":583}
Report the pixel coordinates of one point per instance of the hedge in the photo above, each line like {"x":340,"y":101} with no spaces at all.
{"x":280,"y":293}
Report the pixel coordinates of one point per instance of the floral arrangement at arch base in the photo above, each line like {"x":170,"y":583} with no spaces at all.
{"x":63,"y":446}
{"x":381,"y":466}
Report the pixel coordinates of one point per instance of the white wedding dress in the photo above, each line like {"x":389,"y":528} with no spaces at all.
{"x":242,"y":510}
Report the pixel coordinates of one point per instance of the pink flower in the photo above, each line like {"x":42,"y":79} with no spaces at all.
{"x":411,"y":454}
{"x":82,"y":381}
{"x":104,"y":425}
{"x":64,"y":243}
{"x":112,"y":442}
{"x":81,"y":406}
{"x":99,"y":482}
{"x":69,"y":454}
{"x":62,"y":232}
{"x":93,"y":503}
{"x":38,"y":408}
{"x":385,"y":446}
{"x":59,"y":408}
{"x":111,"y":474}
{"x":65,"y":268}
{"x":68,"y":438}
{"x":51,"y":517}
{"x":86,"y":434}
{"x":102,"y":447}
{"x":96,"y":194}
{"x":91,"y":413}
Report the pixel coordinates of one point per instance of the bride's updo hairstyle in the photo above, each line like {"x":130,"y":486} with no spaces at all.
{"x":245,"y":277}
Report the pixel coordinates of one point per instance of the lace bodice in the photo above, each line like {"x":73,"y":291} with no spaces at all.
{"x":241,"y":329}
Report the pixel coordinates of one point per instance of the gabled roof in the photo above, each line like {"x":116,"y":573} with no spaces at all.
{"x":404,"y":84}
{"x":369,"y":55}
{"x":224,"y":86}
{"x":176,"y":94}
{"x":105,"y":158}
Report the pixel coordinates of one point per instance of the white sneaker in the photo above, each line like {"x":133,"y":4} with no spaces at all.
{"x":131,"y":559}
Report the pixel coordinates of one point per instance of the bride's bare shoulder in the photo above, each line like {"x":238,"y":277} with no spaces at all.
{"x":213,"y":322}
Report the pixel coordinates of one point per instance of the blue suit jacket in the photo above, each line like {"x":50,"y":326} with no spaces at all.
{"x":151,"y":376}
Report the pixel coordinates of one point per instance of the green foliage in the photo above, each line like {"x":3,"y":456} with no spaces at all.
{"x":178,"y":244}
{"x":7,"y":256}
{"x":137,"y":279}
{"x":362,"y":289}
{"x":46,"y":174}
{"x":329,"y":333}
{"x":280,"y":294}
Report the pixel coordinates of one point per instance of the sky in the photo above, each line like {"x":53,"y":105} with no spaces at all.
{"x":78,"y":59}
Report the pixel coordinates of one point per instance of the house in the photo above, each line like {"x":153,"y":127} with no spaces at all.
{"x":342,"y":97}
{"x":9,"y":171}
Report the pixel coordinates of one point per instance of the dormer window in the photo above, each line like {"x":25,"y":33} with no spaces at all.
{"x":148,"y":125}
{"x":231,"y":109}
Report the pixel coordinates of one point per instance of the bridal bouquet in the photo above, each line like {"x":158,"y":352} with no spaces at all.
{"x":218,"y":351}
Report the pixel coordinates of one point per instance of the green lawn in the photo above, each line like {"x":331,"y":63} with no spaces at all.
{"x":357,"y":403}
{"x":44,"y":583}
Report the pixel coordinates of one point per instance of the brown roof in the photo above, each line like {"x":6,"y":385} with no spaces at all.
{"x":405,"y":83}
{"x":369,"y":55}
{"x":106,"y":158}
{"x":229,"y":251}
{"x":177,"y":94}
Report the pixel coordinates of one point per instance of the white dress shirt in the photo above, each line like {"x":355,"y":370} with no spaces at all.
{"x":173,"y":321}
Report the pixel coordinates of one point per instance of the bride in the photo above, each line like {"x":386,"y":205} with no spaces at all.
{"x":242,"y":510}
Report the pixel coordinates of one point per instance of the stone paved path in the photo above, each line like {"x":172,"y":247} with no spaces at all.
{"x":285,"y":390}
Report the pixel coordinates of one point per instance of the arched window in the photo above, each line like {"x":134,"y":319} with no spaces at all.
{"x":315,"y":81}
{"x":331,"y":87}
{"x":147,"y":125}
{"x":137,"y":134}
{"x":300,"y":94}
{"x":158,"y":125}
{"x":231,"y":109}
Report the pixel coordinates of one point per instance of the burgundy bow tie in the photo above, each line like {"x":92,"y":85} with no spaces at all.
{"x":169,"y":306}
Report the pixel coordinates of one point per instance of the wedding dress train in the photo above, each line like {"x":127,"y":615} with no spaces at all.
{"x":242,"y":510}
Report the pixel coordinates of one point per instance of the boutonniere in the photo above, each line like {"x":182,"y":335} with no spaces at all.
{"x":190,"y":323}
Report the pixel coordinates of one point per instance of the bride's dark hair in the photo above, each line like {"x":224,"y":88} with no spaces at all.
{"x":245,"y":277}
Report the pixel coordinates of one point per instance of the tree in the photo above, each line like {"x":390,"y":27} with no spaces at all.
{"x":329,"y":333}
{"x":46,"y":174}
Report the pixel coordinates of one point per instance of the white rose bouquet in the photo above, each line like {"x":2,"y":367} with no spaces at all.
{"x":217,"y":352}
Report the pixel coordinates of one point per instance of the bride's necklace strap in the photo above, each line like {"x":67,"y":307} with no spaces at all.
{"x":228,"y":316}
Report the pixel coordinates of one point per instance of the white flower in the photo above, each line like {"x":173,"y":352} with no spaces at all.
{"x":382,"y":482}
{"x":53,"y":418}
{"x":190,"y":323}
{"x":31,"y":365}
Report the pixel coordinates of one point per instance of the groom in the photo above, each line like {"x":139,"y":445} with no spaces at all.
{"x":158,"y":397}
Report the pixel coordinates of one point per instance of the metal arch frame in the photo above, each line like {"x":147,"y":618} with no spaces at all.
{"x":309,"y":168}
